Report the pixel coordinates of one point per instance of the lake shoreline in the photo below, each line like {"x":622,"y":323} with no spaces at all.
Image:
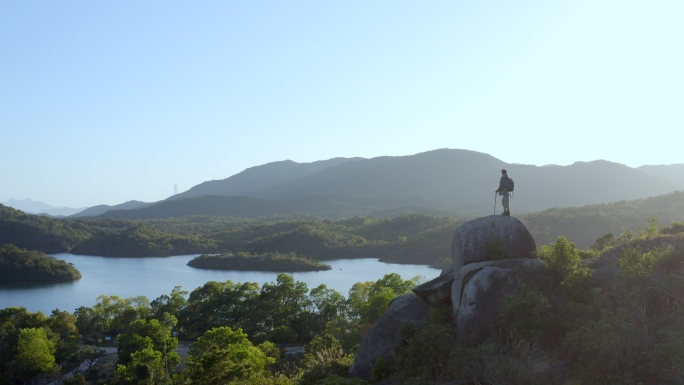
{"x":155,"y":276}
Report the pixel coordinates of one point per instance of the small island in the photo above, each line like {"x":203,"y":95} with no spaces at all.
{"x":257,"y":262}
{"x":27,"y":266}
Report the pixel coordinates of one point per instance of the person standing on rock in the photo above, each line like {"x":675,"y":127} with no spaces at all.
{"x":505,"y":184}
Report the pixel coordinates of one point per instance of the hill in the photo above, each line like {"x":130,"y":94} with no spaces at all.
{"x":672,"y":173}
{"x":101,"y":209}
{"x":319,"y":205}
{"x":261,"y":177}
{"x":21,"y":266}
{"x":141,"y":241}
{"x":37,"y":207}
{"x":407,"y":238}
{"x":452,"y":181}
{"x":582,"y":224}
{"x":467,"y":179}
{"x":44,"y":234}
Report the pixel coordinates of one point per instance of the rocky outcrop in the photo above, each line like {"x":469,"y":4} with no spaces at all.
{"x":447,"y":270}
{"x":491,"y":238}
{"x":528,"y":269}
{"x":480,"y":302}
{"x":382,"y":339}
{"x":491,"y":258}
{"x":437,"y":291}
{"x":479,"y":288}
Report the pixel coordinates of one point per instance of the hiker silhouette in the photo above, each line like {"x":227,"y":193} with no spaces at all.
{"x":505,"y":187}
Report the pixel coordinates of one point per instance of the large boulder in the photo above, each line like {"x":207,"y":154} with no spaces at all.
{"x":437,"y":291}
{"x":529,"y":270}
{"x":479,"y":288}
{"x":491,"y":238}
{"x":382,"y":339}
{"x":480,"y":302}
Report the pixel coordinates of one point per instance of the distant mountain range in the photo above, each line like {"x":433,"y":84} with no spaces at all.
{"x":672,"y":173}
{"x":37,"y":207}
{"x":446,"y":181}
{"x":101,"y":209}
{"x":258,"y":178}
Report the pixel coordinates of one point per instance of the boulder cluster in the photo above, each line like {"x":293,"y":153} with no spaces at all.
{"x":491,"y":256}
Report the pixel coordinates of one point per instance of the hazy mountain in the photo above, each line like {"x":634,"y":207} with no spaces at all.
{"x":101,"y":209}
{"x":468,"y":180}
{"x":673,"y":173}
{"x":451,"y":180}
{"x":61,"y":211}
{"x":321,"y":205}
{"x":28,"y":205}
{"x":37,"y":207}
{"x":261,"y":177}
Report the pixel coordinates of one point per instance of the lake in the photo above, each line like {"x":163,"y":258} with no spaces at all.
{"x":154,"y":276}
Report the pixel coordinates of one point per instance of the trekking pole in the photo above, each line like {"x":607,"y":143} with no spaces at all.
{"x":494,"y":203}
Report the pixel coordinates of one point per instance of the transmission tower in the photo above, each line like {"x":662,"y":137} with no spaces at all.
{"x":175,"y":189}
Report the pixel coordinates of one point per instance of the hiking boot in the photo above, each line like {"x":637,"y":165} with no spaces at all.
{"x":507,"y":213}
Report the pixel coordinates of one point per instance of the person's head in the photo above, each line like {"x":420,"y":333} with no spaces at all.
{"x":504,"y":172}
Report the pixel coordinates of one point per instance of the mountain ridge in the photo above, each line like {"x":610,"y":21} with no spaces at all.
{"x":261,"y":177}
{"x":101,"y":209}
{"x":460,"y":179}
{"x":38,"y":207}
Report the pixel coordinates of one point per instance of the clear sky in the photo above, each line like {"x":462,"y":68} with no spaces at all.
{"x":108,"y":101}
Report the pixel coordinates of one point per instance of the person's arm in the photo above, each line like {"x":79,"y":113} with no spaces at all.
{"x":501,"y":185}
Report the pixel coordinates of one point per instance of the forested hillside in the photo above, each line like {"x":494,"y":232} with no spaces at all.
{"x":419,"y":239}
{"x":582,"y":224}
{"x":333,"y":206}
{"x":40,"y":233}
{"x":138,"y":240}
{"x":409,"y":238}
{"x":22,"y":266}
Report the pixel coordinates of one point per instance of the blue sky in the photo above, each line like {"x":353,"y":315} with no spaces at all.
{"x":104,"y":102}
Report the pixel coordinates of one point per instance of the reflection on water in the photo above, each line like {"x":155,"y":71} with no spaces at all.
{"x":152,"y":277}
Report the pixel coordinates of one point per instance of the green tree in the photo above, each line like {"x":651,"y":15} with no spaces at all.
{"x":62,"y":328}
{"x":219,"y":304}
{"x":369,"y":300}
{"x":564,"y":258}
{"x":146,"y":367}
{"x":222,"y":355}
{"x":172,"y":304}
{"x":324,"y":357}
{"x":653,"y":227}
{"x":35,"y":352}
{"x":328,"y":302}
{"x":285,"y":303}
{"x":106,"y":310}
{"x":150,"y":334}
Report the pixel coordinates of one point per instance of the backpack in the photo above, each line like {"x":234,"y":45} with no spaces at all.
{"x":509,"y":184}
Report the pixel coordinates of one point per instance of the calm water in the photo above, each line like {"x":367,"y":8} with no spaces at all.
{"x":152,"y":277}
